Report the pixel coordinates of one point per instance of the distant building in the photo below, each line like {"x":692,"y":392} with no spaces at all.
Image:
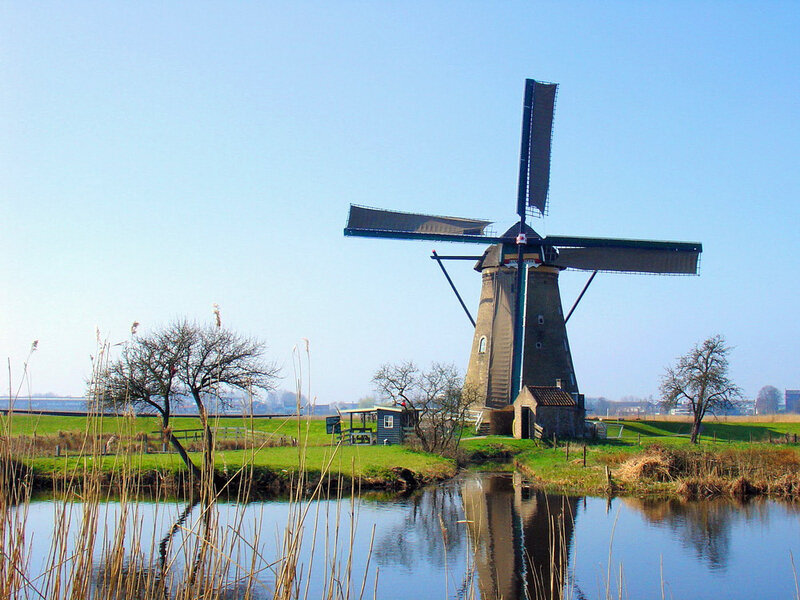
{"x":792,"y":398}
{"x":684,"y":408}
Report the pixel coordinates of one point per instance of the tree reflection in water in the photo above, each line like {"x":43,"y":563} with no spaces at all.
{"x":703,"y":526}
{"x":192,"y":561}
{"x":432,"y":518}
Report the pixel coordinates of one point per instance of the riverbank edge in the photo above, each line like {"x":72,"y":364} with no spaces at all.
{"x":607,"y":472}
{"x":604,"y":481}
{"x":542,"y":468}
{"x":251,"y":482}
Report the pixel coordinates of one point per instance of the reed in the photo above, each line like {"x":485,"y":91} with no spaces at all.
{"x":104,"y":548}
{"x":699,"y":473}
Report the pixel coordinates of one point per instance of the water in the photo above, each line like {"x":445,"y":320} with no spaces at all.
{"x":490,"y":534}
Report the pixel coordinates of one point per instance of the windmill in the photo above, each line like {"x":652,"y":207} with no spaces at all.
{"x":520,"y":330}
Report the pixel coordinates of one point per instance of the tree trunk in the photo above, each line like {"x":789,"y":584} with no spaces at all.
{"x":208,"y":452}
{"x":195,"y":472}
{"x":696,"y":428}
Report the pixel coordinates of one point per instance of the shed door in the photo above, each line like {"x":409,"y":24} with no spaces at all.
{"x":526,"y":423}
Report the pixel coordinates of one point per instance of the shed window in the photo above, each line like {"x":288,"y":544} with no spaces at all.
{"x":482,"y":345}
{"x":388,"y":421}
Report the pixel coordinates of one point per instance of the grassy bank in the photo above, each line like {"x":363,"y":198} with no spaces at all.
{"x":655,"y":458}
{"x":46,"y":425}
{"x":361,"y":462}
{"x":271,"y":458}
{"x":734,"y":457}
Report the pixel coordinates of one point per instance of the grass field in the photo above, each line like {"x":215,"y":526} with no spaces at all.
{"x":317,"y":446}
{"x":550,"y":467}
{"x":312,"y":429}
{"x":554,"y":469}
{"x":729,"y":430}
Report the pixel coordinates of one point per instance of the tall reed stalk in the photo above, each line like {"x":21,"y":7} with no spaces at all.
{"x":103,"y":549}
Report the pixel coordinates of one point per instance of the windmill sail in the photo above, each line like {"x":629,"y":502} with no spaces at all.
{"x":630,"y":260}
{"x":376,"y":222}
{"x":537,"y":135}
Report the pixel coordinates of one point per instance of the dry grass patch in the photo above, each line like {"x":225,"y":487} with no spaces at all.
{"x":700,"y":473}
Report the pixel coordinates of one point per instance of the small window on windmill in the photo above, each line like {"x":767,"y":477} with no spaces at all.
{"x":538,"y":345}
{"x":541,"y":319}
{"x":388,"y":422}
{"x":482,"y":345}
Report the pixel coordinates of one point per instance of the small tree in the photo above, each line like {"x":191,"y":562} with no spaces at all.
{"x":215,"y":361}
{"x":767,"y":400}
{"x":700,"y":378}
{"x":437,"y":395}
{"x":157,"y":371}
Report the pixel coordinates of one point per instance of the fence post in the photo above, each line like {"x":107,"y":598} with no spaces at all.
{"x":584,"y":455}
{"x":715,"y":437}
{"x":58,"y":450}
{"x":639,"y":439}
{"x":555,"y":441}
{"x":567,"y":458}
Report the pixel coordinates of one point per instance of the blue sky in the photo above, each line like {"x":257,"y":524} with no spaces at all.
{"x":156,"y":158}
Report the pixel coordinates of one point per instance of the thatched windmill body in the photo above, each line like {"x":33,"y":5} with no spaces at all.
{"x":520,"y":330}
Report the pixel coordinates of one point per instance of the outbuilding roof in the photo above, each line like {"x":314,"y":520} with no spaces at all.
{"x":355,"y":411}
{"x":551,"y":396}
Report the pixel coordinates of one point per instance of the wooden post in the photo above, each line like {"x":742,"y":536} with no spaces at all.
{"x":751,"y":437}
{"x":608,"y":477}
{"x":715,"y":436}
{"x":164,"y":447}
{"x":795,"y":438}
{"x":555,"y":441}
{"x":584,"y":455}
{"x":567,"y":447}
{"x":639,"y":439}
{"x":769,"y":437}
{"x":58,"y":450}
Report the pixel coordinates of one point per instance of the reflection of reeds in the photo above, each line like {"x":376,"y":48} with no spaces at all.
{"x":103,"y":550}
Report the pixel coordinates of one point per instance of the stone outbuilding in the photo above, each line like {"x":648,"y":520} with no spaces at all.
{"x":544,"y":411}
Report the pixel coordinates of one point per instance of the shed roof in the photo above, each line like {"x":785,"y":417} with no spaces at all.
{"x":551,"y":396}
{"x":373,"y":409}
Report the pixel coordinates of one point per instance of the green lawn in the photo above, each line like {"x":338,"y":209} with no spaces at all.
{"x":346,"y":460}
{"x":313,"y":429}
{"x":537,"y":459}
{"x":736,"y":432}
{"x":552,"y":469}
{"x":317,"y":447}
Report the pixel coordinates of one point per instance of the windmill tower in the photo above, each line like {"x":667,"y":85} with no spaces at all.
{"x":520,"y":331}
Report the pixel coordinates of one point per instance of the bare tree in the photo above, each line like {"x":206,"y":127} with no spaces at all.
{"x":700,"y":378}
{"x":437,"y":395}
{"x":767,"y":401}
{"x":218,"y":361}
{"x":144,"y":379}
{"x":157,"y":371}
